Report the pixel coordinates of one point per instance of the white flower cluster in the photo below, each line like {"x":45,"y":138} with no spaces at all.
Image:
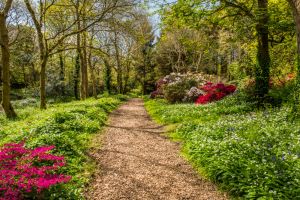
{"x":193,"y":94}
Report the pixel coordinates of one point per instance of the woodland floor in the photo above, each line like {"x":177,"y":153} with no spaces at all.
{"x":136,"y":161}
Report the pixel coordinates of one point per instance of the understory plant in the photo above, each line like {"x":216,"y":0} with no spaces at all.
{"x":190,"y":88}
{"x":28,"y":172}
{"x":251,"y":153}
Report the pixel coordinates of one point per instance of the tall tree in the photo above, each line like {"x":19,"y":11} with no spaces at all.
{"x":5,"y":60}
{"x":295,"y":5}
{"x":263,"y":54}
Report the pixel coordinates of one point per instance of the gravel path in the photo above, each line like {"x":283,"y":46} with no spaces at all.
{"x":137,"y":162}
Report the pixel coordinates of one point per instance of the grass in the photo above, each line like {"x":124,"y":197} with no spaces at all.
{"x":70,"y":127}
{"x":251,"y":153}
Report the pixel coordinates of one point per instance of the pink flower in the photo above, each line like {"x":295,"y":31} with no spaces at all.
{"x":19,"y":173}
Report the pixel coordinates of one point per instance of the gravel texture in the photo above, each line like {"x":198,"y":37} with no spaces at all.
{"x":137,"y":162}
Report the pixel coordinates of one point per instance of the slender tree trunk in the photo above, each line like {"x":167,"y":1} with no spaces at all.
{"x":5,"y":60}
{"x":83,"y":54}
{"x":119,"y":67}
{"x":62,"y":75}
{"x":43,"y":103}
{"x":126,"y":78}
{"x":92,"y":70}
{"x":80,"y":54}
{"x":108,"y":76}
{"x":76,"y":77}
{"x":144,"y":78}
{"x":84,"y":68}
{"x":94,"y":82}
{"x":263,"y":55}
{"x":43,"y":51}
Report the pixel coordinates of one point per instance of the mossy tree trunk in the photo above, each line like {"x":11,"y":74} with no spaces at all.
{"x":263,"y":54}
{"x":295,"y":5}
{"x":5,"y":62}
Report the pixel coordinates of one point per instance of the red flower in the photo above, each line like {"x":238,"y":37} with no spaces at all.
{"x":230,"y":89}
{"x":220,"y":95}
{"x":214,"y":92}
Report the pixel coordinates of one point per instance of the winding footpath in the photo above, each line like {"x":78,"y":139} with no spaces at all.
{"x":136,"y":161}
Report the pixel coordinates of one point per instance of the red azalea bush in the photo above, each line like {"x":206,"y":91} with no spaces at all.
{"x":214,"y":92}
{"x":24,"y":171}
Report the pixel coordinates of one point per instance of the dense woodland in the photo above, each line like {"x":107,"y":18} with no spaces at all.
{"x":84,"y":48}
{"x":72,"y":48}
{"x":65,"y":64}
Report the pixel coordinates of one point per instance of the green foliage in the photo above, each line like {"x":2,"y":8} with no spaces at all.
{"x":220,"y":37}
{"x":68,"y":126}
{"x":252,"y":154}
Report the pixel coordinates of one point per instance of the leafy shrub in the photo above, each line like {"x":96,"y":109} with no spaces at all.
{"x":182,"y":83}
{"x":26,"y":172}
{"x":176,"y":91}
{"x":193,"y":94}
{"x":63,"y":117}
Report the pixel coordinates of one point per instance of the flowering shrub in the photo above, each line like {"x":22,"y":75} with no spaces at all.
{"x":176,"y":86}
{"x":193,"y":94}
{"x":214,"y":92}
{"x":176,"y":91}
{"x":159,"y":89}
{"x":24,"y":171}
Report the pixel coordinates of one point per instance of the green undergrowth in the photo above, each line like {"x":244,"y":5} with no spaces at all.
{"x":251,"y":153}
{"x":68,"y":126}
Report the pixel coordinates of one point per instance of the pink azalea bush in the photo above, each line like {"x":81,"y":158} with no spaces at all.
{"x":175,"y":87}
{"x":214,"y":92}
{"x":24,"y":171}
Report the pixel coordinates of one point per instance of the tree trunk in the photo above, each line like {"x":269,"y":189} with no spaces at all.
{"x":94,"y":82}
{"x":119,"y":68}
{"x":43,"y":103}
{"x":76,"y":77}
{"x":4,"y":41}
{"x":108,"y":76}
{"x":83,"y":68}
{"x":263,"y":55}
{"x":92,"y":70}
{"x":84,"y":71}
{"x":43,"y":51}
{"x":83,"y":54}
{"x":62,"y":75}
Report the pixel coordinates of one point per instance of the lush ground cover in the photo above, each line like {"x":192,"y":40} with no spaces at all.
{"x":251,"y":153}
{"x":67,"y":126}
